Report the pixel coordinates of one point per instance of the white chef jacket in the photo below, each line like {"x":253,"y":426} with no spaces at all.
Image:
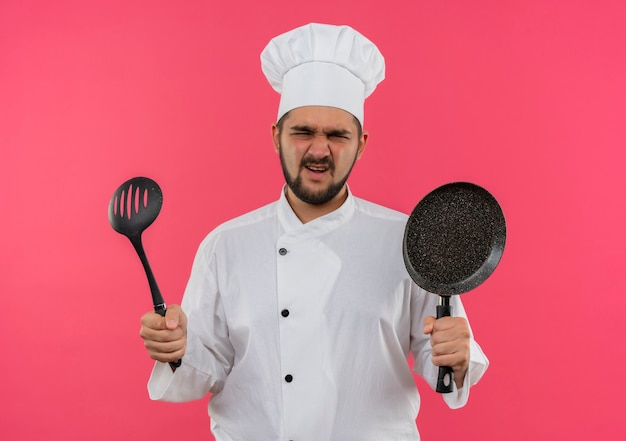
{"x":302,"y":331}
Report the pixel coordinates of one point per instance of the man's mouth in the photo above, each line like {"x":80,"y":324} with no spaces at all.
{"x":316,"y":168}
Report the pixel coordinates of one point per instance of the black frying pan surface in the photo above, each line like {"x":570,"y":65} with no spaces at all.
{"x":454,"y":238}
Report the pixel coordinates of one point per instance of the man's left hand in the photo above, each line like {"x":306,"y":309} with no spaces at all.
{"x":450,"y":341}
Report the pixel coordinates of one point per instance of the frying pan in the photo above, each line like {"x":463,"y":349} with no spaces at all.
{"x":453,"y":241}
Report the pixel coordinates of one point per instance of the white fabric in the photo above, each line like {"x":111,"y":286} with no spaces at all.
{"x":323,"y":65}
{"x":354,"y":317}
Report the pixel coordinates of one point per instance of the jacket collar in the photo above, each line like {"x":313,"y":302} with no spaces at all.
{"x":298,"y":231}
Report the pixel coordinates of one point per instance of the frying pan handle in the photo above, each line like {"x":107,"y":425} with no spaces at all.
{"x":446,"y":374}
{"x":160,"y":309}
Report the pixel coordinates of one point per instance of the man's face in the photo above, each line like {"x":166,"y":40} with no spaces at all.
{"x":318,"y":146}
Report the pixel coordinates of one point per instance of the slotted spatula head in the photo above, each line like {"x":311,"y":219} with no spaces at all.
{"x":135,"y":205}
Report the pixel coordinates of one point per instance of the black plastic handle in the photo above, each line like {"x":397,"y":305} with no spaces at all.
{"x":446,"y":374}
{"x":157,"y":298}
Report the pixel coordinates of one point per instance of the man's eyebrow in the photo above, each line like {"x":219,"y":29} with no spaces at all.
{"x":302,"y":128}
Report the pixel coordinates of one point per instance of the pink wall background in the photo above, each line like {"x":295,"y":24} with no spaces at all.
{"x":526,"y":98}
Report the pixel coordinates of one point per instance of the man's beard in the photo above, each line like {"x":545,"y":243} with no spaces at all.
{"x":314,"y":197}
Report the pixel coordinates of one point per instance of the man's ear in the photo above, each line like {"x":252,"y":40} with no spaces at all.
{"x":276,"y":137}
{"x":362,"y":144}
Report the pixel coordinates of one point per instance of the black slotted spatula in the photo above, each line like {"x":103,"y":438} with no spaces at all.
{"x":133,"y":207}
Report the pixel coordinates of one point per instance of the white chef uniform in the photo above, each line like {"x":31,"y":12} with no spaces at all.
{"x":302,"y":331}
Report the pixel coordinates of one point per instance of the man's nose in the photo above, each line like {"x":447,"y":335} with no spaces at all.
{"x":320,"y":146}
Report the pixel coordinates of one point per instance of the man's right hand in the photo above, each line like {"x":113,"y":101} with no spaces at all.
{"x":165,"y":338}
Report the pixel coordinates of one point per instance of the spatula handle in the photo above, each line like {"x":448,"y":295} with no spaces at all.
{"x":157,"y":298}
{"x":446,"y":374}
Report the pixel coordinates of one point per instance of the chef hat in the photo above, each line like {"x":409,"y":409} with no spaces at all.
{"x":323,"y":65}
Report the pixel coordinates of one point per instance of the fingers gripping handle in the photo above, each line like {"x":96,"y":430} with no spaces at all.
{"x":160,"y":309}
{"x":446,"y":374}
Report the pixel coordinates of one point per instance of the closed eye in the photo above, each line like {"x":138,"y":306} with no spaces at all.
{"x":343,"y":135}
{"x":302,"y":135}
{"x":301,"y":131}
{"x":305,"y":132}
